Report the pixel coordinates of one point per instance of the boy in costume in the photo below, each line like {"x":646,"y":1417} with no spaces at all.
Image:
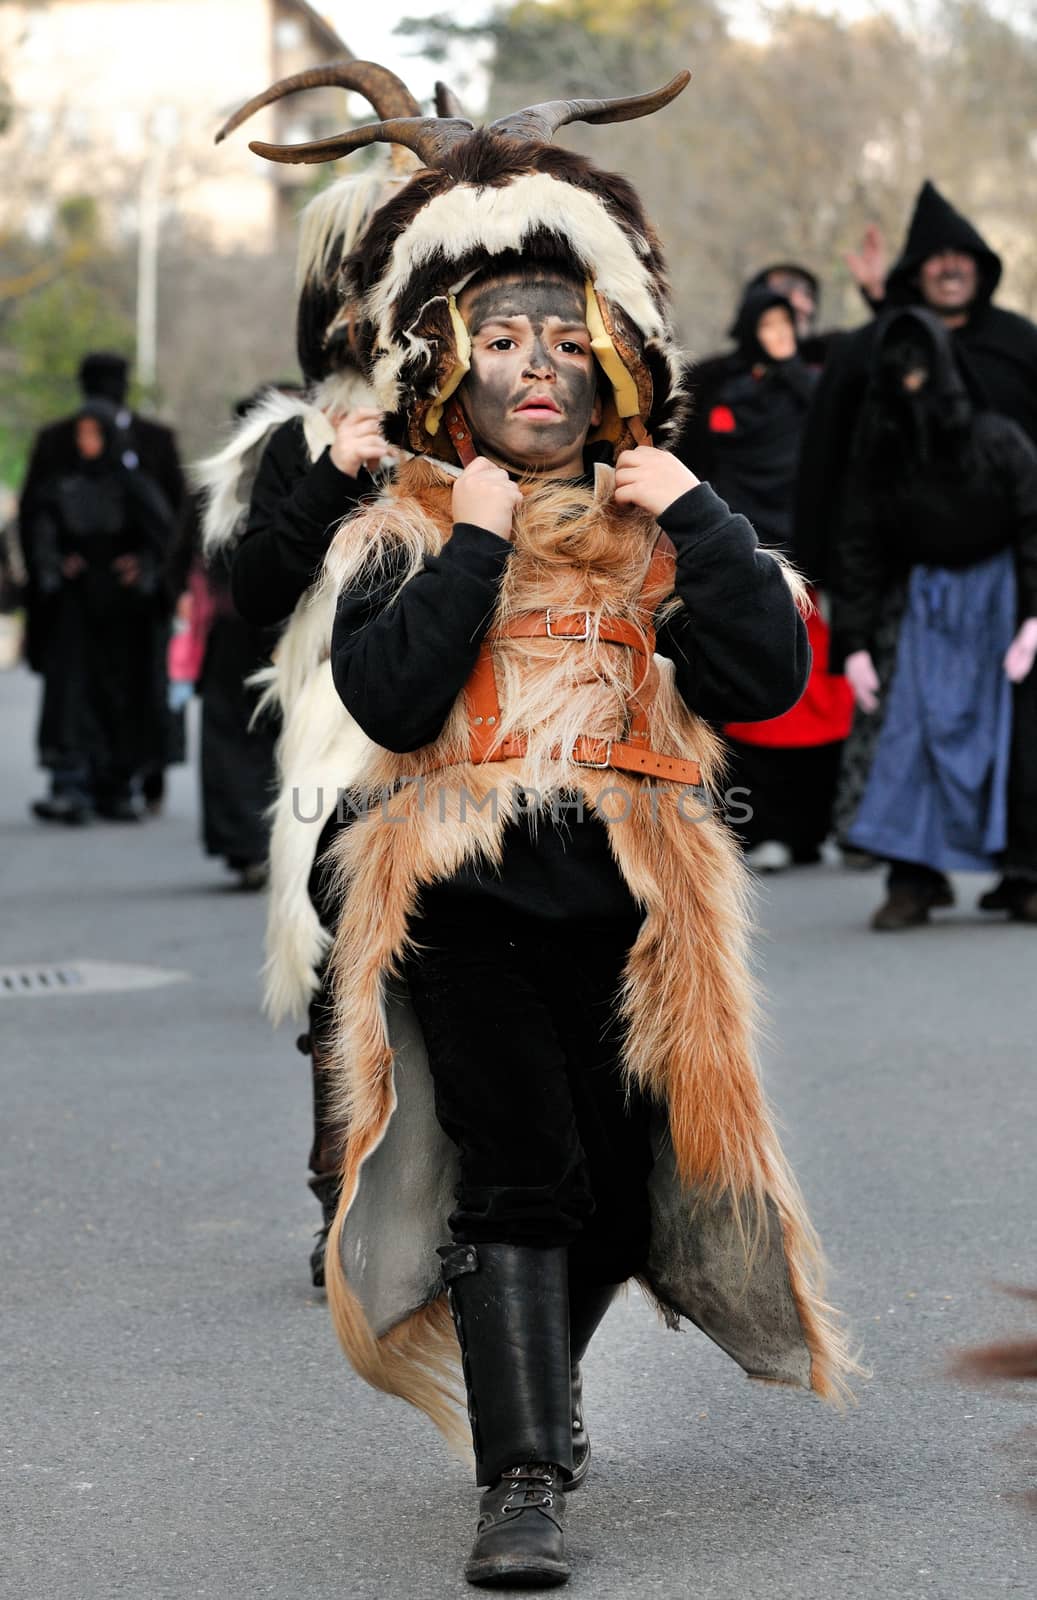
{"x":543,"y":1009}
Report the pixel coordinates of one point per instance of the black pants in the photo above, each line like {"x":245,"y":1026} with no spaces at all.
{"x":791,"y":793}
{"x":519,"y":1018}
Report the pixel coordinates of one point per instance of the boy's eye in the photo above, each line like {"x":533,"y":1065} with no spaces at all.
{"x":503,"y":343}
{"x":572,"y":347}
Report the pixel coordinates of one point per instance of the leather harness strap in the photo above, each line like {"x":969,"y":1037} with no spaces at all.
{"x":483,"y":700}
{"x":460,"y":433}
{"x":631,"y":754}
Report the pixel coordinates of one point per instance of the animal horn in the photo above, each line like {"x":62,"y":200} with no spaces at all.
{"x":387,"y":93}
{"x":430,"y":138}
{"x":447,"y":103}
{"x":540,"y":121}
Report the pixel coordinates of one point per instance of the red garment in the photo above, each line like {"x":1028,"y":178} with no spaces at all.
{"x":823,"y":713}
{"x":722,"y":420}
{"x":186,"y":651}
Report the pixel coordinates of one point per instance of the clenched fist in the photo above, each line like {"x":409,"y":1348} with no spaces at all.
{"x":651,"y":479}
{"x":358,"y":441}
{"x":485,"y":495}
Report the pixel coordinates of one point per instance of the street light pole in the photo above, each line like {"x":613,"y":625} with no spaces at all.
{"x":149,"y":221}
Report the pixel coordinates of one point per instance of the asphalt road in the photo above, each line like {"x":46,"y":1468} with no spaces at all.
{"x":177,"y":1421}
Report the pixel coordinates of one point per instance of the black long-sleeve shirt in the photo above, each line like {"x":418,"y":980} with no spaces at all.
{"x":738,"y":646}
{"x":296,"y":506}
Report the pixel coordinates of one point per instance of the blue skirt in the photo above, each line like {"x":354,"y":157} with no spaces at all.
{"x":936,"y":794}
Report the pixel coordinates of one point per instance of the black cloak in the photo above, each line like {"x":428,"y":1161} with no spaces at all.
{"x":996,"y":350}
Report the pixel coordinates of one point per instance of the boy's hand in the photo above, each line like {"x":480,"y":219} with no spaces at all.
{"x":485,"y":495}
{"x":651,"y":479}
{"x":358,"y":440}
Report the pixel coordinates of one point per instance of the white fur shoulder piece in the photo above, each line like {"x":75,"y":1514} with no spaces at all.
{"x":226,"y":478}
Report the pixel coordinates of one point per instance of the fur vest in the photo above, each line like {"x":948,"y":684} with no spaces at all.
{"x":732,"y":1249}
{"x":320,"y":744}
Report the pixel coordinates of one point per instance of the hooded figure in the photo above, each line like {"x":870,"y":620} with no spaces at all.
{"x":747,"y":443}
{"x":748,"y":436}
{"x":937,"y":568}
{"x":996,"y":352}
{"x":94,"y":547}
{"x":541,"y":1002}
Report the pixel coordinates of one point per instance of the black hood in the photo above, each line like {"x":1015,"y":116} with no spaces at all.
{"x":937,"y":226}
{"x":755,"y":301}
{"x":759,"y":281}
{"x":104,"y":375}
{"x":899,"y":431}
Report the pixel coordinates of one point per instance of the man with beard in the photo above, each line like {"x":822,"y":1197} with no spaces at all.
{"x":947,"y":266}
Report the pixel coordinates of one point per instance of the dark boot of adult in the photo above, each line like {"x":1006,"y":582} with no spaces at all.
{"x":588,"y":1303}
{"x":1017,"y":896}
{"x":511,"y":1309}
{"x":912,"y":891}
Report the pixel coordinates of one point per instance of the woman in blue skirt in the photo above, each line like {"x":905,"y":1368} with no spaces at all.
{"x":935,"y":616}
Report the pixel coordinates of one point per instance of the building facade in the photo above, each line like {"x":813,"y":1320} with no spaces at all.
{"x":120,"y":99}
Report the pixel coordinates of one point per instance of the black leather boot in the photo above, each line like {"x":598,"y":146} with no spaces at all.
{"x":511,"y":1309}
{"x":588,"y":1303}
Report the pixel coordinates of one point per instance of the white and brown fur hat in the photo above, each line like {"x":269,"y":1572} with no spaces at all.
{"x":495,"y":191}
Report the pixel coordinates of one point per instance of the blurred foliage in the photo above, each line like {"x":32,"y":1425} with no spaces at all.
{"x":55,"y":306}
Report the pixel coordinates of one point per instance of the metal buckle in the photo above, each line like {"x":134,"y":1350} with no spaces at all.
{"x":578,"y":638}
{"x":598,"y":766}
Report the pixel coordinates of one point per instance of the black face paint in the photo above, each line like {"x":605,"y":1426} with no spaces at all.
{"x":536,"y":314}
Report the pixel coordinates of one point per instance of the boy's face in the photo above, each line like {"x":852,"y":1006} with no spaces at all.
{"x":531,"y":393}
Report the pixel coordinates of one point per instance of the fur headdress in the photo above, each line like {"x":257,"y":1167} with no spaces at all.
{"x":333,"y":221}
{"x":492,"y":191}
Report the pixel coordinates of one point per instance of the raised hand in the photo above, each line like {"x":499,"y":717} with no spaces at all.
{"x":870,"y":263}
{"x":485,"y":495}
{"x":651,"y":479}
{"x":358,"y":440}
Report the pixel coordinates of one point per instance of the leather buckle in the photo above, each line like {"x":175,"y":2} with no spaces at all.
{"x":578,"y":638}
{"x":598,"y":766}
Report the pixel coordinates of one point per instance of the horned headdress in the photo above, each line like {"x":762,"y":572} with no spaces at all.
{"x":495,"y":191}
{"x":333,"y":221}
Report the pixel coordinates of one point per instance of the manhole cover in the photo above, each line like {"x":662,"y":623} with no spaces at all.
{"x":82,"y":977}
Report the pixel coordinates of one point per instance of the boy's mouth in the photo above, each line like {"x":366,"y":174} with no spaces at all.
{"x":538,"y":406}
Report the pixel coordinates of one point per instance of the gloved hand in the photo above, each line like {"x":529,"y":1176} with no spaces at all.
{"x":1021,"y":652}
{"x":860,"y":674}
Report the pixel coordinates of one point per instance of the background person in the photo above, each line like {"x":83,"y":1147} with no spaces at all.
{"x":935,"y":617}
{"x":744,"y":439}
{"x":95,"y":544}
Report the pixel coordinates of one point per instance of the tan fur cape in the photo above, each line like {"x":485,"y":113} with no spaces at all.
{"x":732,"y":1247}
